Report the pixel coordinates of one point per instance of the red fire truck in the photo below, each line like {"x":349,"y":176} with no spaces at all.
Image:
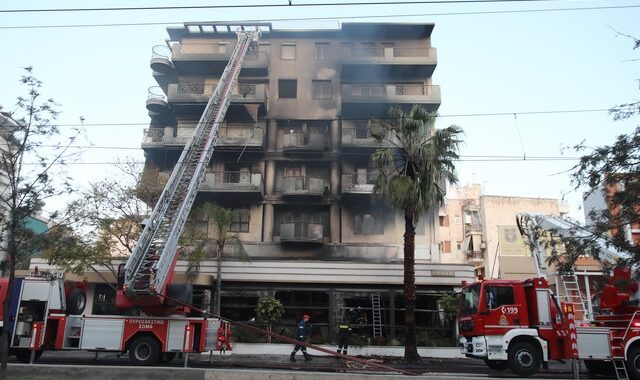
{"x":47,"y":313}
{"x":521,"y":325}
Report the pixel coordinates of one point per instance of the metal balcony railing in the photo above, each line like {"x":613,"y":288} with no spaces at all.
{"x":315,"y":141}
{"x":161,"y":52}
{"x":301,"y":232}
{"x":240,"y":134}
{"x":390,"y":93}
{"x":301,"y":185}
{"x":200,"y":91}
{"x":152,"y":135}
{"x":360,"y":183}
{"x":388,"y":52}
{"x":362,"y":136}
{"x":161,"y":59}
{"x":242,"y":181}
{"x":156,"y":99}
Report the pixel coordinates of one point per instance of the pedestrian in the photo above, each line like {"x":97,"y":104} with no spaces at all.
{"x":302,"y":332}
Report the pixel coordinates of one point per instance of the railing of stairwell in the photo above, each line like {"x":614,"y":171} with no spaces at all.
{"x":632,"y":323}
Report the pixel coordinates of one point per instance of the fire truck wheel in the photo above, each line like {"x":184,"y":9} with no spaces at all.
{"x":633,"y":363}
{"x":524,"y":359}
{"x":497,"y":365}
{"x":76,"y":301}
{"x":144,"y":351}
{"x":24,"y":355}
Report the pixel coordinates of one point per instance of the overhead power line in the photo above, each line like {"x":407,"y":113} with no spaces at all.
{"x":284,"y":4}
{"x":484,"y":114}
{"x":327,"y":18}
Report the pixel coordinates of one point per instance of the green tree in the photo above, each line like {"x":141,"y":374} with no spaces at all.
{"x":104,"y":221}
{"x":222,"y":219}
{"x":413,"y":176}
{"x":612,"y":171}
{"x":34,"y":164}
{"x":269,"y":311}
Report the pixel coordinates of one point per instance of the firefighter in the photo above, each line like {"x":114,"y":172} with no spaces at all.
{"x":301,"y":334}
{"x":344,"y":332}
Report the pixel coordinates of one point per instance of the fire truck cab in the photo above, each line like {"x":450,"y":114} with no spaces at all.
{"x":513,"y":324}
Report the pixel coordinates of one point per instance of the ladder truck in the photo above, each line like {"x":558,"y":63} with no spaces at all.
{"x":46,"y":313}
{"x":521,"y":325}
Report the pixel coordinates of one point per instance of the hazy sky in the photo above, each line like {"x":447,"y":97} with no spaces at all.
{"x":488,"y":63}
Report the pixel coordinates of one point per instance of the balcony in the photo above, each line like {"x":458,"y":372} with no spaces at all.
{"x":300,"y":186}
{"x":301,"y":232}
{"x":358,"y":183}
{"x":211,"y":58}
{"x":367,"y":99}
{"x":388,"y":62}
{"x":190,"y":95}
{"x":359,"y":137}
{"x":304,"y":142}
{"x":246,"y":136}
{"x":156,"y":100}
{"x":161,"y":59}
{"x":242,"y":183}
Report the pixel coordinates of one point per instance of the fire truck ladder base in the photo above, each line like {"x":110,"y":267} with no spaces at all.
{"x":621,"y":369}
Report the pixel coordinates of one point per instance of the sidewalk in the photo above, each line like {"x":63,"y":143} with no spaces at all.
{"x":397,"y":351}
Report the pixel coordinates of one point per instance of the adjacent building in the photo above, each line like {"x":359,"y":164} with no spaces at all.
{"x":293,"y":153}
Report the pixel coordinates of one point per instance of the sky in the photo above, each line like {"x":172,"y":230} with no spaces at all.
{"x":505,"y":69}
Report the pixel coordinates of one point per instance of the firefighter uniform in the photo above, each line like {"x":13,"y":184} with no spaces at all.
{"x":344,"y":332}
{"x":302,"y":331}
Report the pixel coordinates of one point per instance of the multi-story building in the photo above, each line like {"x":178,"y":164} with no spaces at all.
{"x":293,"y":152}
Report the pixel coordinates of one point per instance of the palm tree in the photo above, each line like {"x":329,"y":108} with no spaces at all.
{"x":413,"y":175}
{"x":222,"y":219}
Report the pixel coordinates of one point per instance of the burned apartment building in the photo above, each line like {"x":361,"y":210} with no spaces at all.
{"x":293,"y":153}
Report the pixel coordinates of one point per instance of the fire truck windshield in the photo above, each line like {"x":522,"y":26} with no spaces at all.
{"x":470,"y":299}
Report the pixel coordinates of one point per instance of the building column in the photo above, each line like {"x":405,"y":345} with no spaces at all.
{"x":267,"y":223}
{"x":335,"y":136}
{"x":334,"y":223}
{"x":270,"y":177}
{"x":392,"y":315}
{"x":335,"y":178}
{"x":272,"y":135}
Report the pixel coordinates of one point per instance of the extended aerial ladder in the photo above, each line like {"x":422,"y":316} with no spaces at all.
{"x":532,"y":225}
{"x":150,"y":268}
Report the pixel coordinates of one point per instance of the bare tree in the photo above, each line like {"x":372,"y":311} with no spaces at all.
{"x":34,"y":165}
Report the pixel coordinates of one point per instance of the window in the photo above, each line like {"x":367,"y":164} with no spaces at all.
{"x":321,"y":51}
{"x":496,"y":296}
{"x":287,"y":88}
{"x":321,"y":89}
{"x":444,"y":220}
{"x":240,"y":221}
{"x":445,"y":246}
{"x":368,"y":224}
{"x":457,"y":219}
{"x":288,"y":51}
{"x":362,"y":129}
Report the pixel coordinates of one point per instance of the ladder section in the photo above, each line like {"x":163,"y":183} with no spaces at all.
{"x":573,"y":294}
{"x":621,"y":370}
{"x":150,"y":267}
{"x":376,"y":314}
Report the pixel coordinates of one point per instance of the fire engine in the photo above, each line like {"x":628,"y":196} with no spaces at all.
{"x":46,"y":313}
{"x":521,"y":325}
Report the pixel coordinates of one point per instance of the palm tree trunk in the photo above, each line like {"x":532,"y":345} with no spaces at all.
{"x":410,"y":346}
{"x":216,"y":303}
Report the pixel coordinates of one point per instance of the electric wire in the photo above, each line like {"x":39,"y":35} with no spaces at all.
{"x":282,"y":5}
{"x":327,"y":18}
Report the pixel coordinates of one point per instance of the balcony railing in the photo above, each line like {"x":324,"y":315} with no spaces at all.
{"x":152,"y":136}
{"x":313,"y":141}
{"x":301,"y":232}
{"x":390,"y":55}
{"x":157,"y":137}
{"x":390,"y":93}
{"x":358,"y":183}
{"x":201,"y":92}
{"x":232,"y":181}
{"x":301,"y":185}
{"x":207,"y":51}
{"x":240,"y":135}
{"x":361,"y":136}
{"x":156,"y":99}
{"x":161,"y":59}
{"x":475,"y":256}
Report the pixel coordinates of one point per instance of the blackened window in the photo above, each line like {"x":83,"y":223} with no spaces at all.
{"x":288,"y":88}
{"x":240,"y":222}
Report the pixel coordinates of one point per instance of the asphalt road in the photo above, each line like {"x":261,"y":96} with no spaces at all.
{"x":468,"y":367}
